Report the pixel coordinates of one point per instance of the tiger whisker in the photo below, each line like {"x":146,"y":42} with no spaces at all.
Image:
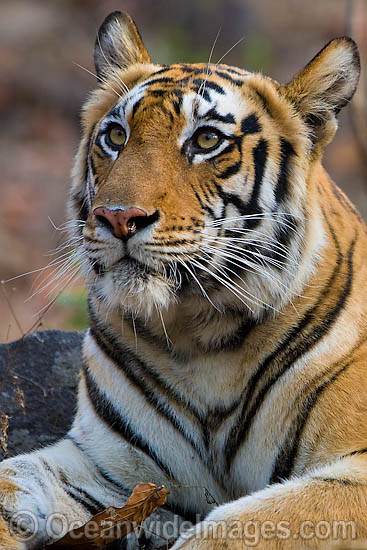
{"x":230,"y":49}
{"x":168,"y":340}
{"x":66,"y":245}
{"x":279,"y":221}
{"x":228,"y":285}
{"x":65,"y":225}
{"x":244,"y":259}
{"x":184,"y":264}
{"x":103,"y":80}
{"x":260,"y":243}
{"x":249,"y":267}
{"x":247,"y":293}
{"x":203,"y":84}
{"x":67,"y":265}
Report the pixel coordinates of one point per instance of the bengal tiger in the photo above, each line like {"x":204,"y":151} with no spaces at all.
{"x":227,"y":352}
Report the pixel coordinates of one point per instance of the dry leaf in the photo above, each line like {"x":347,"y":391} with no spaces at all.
{"x":4,"y":425}
{"x":19,"y":394}
{"x":115,"y":523}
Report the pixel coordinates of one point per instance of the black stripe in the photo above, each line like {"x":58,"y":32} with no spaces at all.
{"x":116,"y":485}
{"x":85,"y":499}
{"x":203,"y":93}
{"x":114,"y":420}
{"x":236,"y":339}
{"x":158,"y":93}
{"x":285,"y":461}
{"x":78,"y":198}
{"x":340,"y":481}
{"x":163,"y":79}
{"x":234,"y":81}
{"x":260,"y":154}
{"x":234,"y":71}
{"x":282,"y":187}
{"x":208,"y":84}
{"x":189,"y":69}
{"x":203,"y":206}
{"x":282,"y":235}
{"x":131,"y":365}
{"x":79,"y":201}
{"x":165,"y":69}
{"x":342,"y":199}
{"x":177,"y":105}
{"x":360,"y":451}
{"x":136,"y":106}
{"x":293,"y":347}
{"x":91,"y":509}
{"x":264,"y":103}
{"x":213,"y":113}
{"x":250,"y":125}
{"x":231,"y":171}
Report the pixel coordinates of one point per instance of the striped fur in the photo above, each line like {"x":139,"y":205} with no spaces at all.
{"x":227,"y":344}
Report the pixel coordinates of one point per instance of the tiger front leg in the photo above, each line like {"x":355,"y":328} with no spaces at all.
{"x":326,"y":507}
{"x":49,"y":492}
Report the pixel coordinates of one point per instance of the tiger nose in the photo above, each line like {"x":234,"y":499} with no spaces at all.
{"x":123,"y":224}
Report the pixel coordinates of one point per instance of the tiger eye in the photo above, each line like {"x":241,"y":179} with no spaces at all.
{"x":117,"y":135}
{"x":206,"y":139}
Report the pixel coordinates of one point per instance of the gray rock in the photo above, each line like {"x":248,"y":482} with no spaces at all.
{"x":45,"y":366}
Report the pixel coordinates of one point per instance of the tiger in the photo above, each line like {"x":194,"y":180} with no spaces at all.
{"x":226,"y":352}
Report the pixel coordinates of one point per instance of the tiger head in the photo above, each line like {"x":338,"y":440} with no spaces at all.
{"x":194,"y":183}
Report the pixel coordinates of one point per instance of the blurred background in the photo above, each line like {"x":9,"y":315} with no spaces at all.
{"x":42,"y":90}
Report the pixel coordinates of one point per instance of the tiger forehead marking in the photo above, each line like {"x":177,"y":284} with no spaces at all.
{"x":199,"y":99}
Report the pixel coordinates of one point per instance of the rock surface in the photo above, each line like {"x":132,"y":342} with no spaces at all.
{"x":44,"y":366}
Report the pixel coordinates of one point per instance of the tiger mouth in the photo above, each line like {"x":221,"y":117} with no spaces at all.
{"x":128,"y":261}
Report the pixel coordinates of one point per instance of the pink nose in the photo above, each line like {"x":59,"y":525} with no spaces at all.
{"x":122,"y":223}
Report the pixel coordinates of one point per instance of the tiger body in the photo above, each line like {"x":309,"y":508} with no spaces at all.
{"x":227,"y":344}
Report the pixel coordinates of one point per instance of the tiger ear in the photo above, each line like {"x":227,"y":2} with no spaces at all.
{"x":325,"y":86}
{"x":118,"y":45}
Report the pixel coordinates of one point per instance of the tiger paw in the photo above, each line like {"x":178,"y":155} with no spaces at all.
{"x":21,"y":521}
{"x":213,"y":535}
{"x":7,"y":541}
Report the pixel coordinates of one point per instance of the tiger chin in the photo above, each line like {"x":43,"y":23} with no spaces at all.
{"x":226,"y":353}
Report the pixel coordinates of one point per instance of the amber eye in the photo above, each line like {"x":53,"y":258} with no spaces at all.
{"x":116,"y":135}
{"x":207,"y":138}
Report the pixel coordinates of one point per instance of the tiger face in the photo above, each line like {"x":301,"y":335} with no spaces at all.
{"x":191,"y":185}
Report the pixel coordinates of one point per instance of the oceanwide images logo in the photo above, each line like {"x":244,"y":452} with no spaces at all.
{"x":26,"y":526}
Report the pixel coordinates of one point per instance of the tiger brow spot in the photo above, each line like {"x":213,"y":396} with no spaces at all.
{"x":250,"y":125}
